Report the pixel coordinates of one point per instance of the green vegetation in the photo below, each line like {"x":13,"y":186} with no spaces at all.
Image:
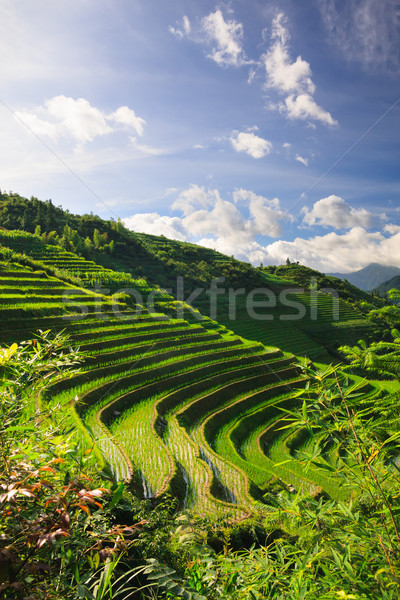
{"x":197,"y":426}
{"x":150,"y":264}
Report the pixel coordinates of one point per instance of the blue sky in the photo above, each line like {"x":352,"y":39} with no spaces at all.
{"x":263,"y":129}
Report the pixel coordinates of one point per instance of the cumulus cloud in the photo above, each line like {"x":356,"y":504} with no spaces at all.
{"x":266,"y":215}
{"x":391,"y":228}
{"x":305,"y":108}
{"x":225,"y":37}
{"x":126,"y":116}
{"x":283,"y":74}
{"x":63,"y":116}
{"x":156,"y":224}
{"x":329,"y":253}
{"x":291,"y":78}
{"x":332,"y":252}
{"x":193,"y":198}
{"x":333,"y":211}
{"x":366,"y":31}
{"x":251,"y":144}
{"x":217,"y":223}
{"x":238,"y":228}
{"x":222,"y":35}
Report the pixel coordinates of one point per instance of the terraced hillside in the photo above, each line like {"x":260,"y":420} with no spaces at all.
{"x":307,"y":323}
{"x":141,"y":373}
{"x":179,"y":406}
{"x":190,"y":272}
{"x":293,"y":307}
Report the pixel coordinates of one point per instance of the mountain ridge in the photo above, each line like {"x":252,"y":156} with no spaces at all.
{"x":370,"y":277}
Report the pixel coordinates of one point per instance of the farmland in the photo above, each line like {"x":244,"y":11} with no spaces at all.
{"x":173,"y":405}
{"x":219,"y":411}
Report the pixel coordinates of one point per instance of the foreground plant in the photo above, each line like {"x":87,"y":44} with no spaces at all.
{"x":317,"y":548}
{"x":57,"y":539}
{"x":360,"y":538}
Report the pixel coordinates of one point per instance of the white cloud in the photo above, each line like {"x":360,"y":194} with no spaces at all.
{"x":291,"y":78}
{"x":250,"y":143}
{"x":169,"y":191}
{"x":233,"y":227}
{"x":225,"y":229}
{"x":156,"y":224}
{"x":186,"y":25}
{"x":40,"y":150}
{"x":193,"y":198}
{"x":266,"y":215}
{"x":39,"y":126}
{"x":301,"y":159}
{"x":353,"y":250}
{"x":183,"y":28}
{"x":126,"y":116}
{"x":251,"y":77}
{"x":304,"y":107}
{"x":391,"y":228}
{"x":333,"y":211}
{"x":146,"y":150}
{"x":65,"y":117}
{"x":226,"y":39}
{"x":210,"y":220}
{"x":282,"y":74}
{"x":61,"y":116}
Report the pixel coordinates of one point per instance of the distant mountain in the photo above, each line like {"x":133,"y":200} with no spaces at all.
{"x":369,"y":277}
{"x":394,"y":282}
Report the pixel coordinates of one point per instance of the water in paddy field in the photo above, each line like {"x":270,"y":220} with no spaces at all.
{"x":188,"y":488}
{"x":147,"y":491}
{"x":227,"y":494}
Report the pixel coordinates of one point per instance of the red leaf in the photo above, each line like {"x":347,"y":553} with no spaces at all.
{"x":84,"y":508}
{"x":48,"y":469}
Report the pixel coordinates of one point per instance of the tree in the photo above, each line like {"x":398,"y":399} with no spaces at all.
{"x":394,"y":295}
{"x":97,"y":239}
{"x":88,"y":245}
{"x":381,"y":357}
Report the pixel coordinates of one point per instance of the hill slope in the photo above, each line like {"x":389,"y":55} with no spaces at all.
{"x":164,"y":388}
{"x":218,"y":286}
{"x":370,"y":277}
{"x":148,"y":384}
{"x":393,"y":283}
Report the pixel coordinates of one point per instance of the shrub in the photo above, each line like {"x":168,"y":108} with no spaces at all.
{"x":58,"y":539}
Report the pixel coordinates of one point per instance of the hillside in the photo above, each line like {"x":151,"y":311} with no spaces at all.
{"x":158,"y":362}
{"x":285,"y":311}
{"x":370,"y":277}
{"x":158,"y":367}
{"x":205,"y":403}
{"x":393,"y":283}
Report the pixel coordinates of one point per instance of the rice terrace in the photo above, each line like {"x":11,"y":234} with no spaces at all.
{"x":238,"y":400}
